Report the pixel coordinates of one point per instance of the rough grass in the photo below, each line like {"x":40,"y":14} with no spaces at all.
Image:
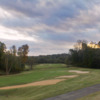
{"x":42,"y":72}
{"x":95,"y":96}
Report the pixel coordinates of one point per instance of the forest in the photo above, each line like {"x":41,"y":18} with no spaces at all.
{"x":85,"y":55}
{"x":13,"y":60}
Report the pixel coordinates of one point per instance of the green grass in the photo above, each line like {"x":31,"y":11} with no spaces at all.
{"x":95,"y":96}
{"x":43,"y":72}
{"x":37,"y":74}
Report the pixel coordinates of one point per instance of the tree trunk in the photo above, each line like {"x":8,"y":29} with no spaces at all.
{"x":6,"y":62}
{"x":31,"y":67}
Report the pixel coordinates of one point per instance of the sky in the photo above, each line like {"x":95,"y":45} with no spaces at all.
{"x":49,"y":26}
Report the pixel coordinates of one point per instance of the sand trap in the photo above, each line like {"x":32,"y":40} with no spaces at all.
{"x":69,"y":76}
{"x":40,"y":83}
{"x":79,"y":72}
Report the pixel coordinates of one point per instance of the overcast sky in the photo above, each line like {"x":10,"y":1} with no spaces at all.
{"x":49,"y":26}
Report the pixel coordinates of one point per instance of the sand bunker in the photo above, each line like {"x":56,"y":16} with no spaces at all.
{"x":40,"y":83}
{"x":79,"y":72}
{"x":69,"y":76}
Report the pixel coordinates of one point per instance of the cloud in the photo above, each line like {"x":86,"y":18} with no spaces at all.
{"x":49,"y":26}
{"x":10,"y":34}
{"x":4,"y":14}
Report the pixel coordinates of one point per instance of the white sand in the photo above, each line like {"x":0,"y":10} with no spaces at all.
{"x":79,"y":72}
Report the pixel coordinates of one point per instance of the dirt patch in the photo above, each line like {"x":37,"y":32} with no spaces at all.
{"x":79,"y":72}
{"x":69,"y":76}
{"x":40,"y":83}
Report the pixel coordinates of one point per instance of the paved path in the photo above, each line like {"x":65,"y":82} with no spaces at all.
{"x":77,"y":94}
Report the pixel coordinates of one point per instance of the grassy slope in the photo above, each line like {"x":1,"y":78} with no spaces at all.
{"x":42,"y":72}
{"x":95,"y":96}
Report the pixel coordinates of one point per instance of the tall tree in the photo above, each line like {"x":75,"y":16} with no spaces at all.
{"x":2,"y":53}
{"x":13,"y":50}
{"x":23,"y":53}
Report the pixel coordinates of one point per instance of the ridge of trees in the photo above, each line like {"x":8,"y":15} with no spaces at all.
{"x":55,"y":58}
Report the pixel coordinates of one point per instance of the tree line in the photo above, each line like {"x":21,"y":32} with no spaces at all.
{"x":55,"y":58}
{"x":84,"y":56}
{"x":13,"y":60}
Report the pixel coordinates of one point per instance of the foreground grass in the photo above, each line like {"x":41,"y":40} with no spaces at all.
{"x":95,"y":96}
{"x":43,"y":72}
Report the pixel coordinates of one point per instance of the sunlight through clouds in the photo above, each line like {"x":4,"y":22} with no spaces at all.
{"x":11,"y":34}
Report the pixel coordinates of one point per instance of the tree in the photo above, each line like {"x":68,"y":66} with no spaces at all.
{"x":7,"y":56}
{"x":31,"y":62}
{"x":25,"y":49}
{"x":13,"y":50}
{"x":11,"y":60}
{"x":23,"y":54}
{"x":2,"y":53}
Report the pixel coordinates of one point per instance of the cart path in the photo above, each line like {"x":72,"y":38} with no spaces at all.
{"x":77,"y":94}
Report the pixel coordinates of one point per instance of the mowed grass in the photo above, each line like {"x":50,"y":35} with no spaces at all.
{"x":95,"y":96}
{"x":44,"y":72}
{"x":40,"y":72}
